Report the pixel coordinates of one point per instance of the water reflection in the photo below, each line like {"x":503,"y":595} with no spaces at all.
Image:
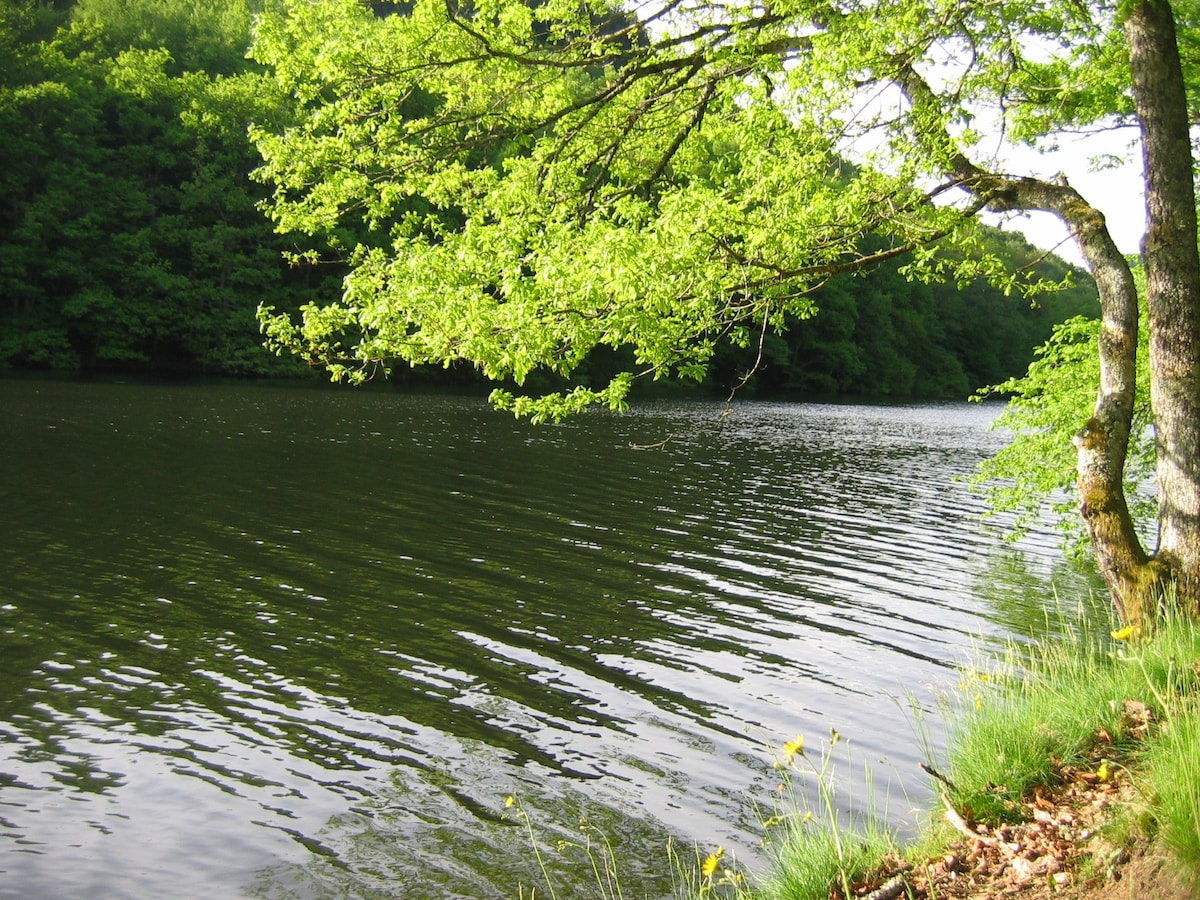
{"x":303,"y":643}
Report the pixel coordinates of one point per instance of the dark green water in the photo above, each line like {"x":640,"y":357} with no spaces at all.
{"x":281,"y":642}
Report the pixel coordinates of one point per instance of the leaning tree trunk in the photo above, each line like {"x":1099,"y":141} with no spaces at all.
{"x":1103,"y":443}
{"x":1136,"y":580}
{"x":1172,"y":264}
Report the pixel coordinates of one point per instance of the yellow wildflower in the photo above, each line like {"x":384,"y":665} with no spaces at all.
{"x":509,"y":801}
{"x":709,"y":868}
{"x":1102,"y":773}
{"x":1127,"y":633}
{"x":794,"y":747}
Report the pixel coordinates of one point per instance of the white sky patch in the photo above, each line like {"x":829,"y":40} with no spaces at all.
{"x":1116,"y":190}
{"x":1104,"y":166}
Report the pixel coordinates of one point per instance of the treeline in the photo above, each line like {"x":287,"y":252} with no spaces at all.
{"x":129,"y":233}
{"x":131,"y":239}
{"x":882,"y":335}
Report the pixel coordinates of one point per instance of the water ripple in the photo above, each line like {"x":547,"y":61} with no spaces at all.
{"x":304,"y":643}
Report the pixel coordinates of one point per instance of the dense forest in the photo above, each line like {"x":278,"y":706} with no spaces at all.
{"x":131,"y":238}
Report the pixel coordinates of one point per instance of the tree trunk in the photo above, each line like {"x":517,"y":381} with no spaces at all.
{"x":1103,"y":442}
{"x":1137,"y":580}
{"x":1172,"y":266}
{"x":1131,"y":575}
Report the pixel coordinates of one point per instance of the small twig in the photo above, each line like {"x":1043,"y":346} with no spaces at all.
{"x":657,"y":445}
{"x":939,"y":776}
{"x":956,"y":820}
{"x":762,"y":340}
{"x":661,"y":445}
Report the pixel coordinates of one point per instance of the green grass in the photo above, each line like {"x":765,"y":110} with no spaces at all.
{"x":1058,"y":702}
{"x":1037,"y":707}
{"x":818,"y":845}
{"x":1169,"y":766}
{"x":1173,"y":786}
{"x":817,"y":855}
{"x":1077,"y":698}
{"x":1016,"y":719}
{"x":1068,"y":700}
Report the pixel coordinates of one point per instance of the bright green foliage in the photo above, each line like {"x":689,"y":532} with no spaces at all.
{"x":132,"y":238}
{"x":547,"y":179}
{"x":1044,"y":412}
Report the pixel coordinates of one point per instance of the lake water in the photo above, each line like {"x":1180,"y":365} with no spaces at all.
{"x":282,"y":642}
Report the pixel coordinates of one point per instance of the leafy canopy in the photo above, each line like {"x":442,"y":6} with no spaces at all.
{"x":541,"y":178}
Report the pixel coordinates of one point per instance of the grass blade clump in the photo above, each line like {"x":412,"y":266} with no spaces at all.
{"x":1075,"y":701}
{"x":1038,"y":709}
{"x":816,"y":849}
{"x":1172,"y":776}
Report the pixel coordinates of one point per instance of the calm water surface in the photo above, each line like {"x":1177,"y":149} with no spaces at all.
{"x":278,"y":642}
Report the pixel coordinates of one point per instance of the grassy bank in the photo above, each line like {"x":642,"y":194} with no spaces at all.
{"x":1070,"y":760}
{"x":1072,"y":770}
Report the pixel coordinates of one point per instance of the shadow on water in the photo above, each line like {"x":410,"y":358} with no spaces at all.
{"x":304,"y":643}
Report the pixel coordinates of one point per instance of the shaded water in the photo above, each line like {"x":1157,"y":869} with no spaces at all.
{"x":278,"y":642}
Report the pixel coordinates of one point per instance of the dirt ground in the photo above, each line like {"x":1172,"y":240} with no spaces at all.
{"x":1059,"y":850}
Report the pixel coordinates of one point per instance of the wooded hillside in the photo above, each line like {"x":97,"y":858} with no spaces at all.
{"x":131,"y":238}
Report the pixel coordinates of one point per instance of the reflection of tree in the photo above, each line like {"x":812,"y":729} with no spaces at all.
{"x":470,"y":599}
{"x":285,"y":593}
{"x":1031,"y":596}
